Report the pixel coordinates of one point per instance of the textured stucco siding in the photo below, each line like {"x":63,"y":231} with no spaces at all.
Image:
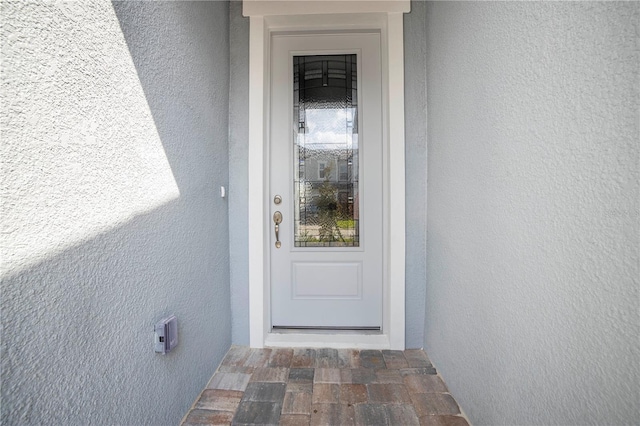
{"x":532,"y":312}
{"x":239,"y":172}
{"x":114,"y":145}
{"x":415,"y":104}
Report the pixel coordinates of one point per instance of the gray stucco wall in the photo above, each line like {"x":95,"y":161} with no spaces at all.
{"x":532,"y":312}
{"x":238,"y":172}
{"x":415,"y":171}
{"x":114,"y":145}
{"x":415,"y":106}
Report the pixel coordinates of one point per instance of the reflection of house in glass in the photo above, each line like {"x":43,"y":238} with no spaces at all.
{"x":327,"y":195}
{"x":326,"y":151}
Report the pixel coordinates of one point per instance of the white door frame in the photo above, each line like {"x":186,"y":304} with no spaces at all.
{"x":266,"y":17}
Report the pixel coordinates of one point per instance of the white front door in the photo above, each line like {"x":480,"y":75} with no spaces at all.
{"x":326,"y":181}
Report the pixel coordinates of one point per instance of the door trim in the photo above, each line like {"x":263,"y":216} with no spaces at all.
{"x":304,"y":16}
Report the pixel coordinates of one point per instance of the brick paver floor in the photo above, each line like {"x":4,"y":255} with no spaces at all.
{"x":325,"y":387}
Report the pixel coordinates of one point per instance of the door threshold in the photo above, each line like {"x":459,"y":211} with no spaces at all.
{"x":338,"y":339}
{"x":326,"y":330}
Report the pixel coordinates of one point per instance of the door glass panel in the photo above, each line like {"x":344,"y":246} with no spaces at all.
{"x":325,"y":108}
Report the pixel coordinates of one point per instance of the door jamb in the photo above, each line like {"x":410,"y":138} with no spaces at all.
{"x":386,"y":17}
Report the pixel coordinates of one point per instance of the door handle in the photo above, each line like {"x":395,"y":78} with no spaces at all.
{"x":277,"y":219}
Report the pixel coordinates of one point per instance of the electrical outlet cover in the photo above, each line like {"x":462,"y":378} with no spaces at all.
{"x":166,"y":335}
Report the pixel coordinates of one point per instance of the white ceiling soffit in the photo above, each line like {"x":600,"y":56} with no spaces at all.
{"x":316,"y":7}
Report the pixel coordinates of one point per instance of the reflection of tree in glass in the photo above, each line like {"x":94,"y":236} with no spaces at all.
{"x":328,"y":210}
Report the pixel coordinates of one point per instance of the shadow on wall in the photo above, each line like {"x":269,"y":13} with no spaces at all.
{"x":77,"y":339}
{"x":77,"y":328}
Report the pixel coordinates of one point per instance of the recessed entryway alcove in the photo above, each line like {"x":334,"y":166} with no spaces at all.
{"x":383,"y":21}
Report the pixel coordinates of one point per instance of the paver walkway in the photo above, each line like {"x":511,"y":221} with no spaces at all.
{"x":325,"y":387}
